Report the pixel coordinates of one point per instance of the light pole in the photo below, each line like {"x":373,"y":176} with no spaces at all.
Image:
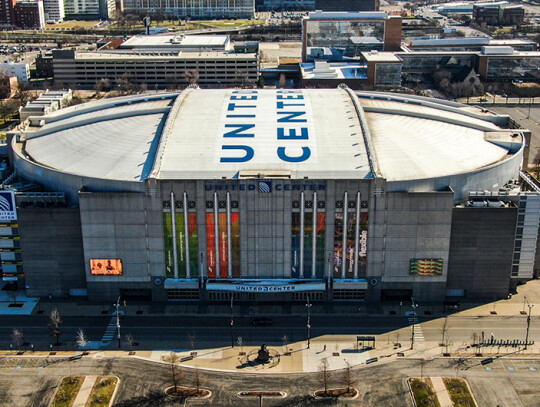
{"x":308,"y":325}
{"x":414,"y":306}
{"x":232,"y":322}
{"x":528,"y":322}
{"x":117,"y":305}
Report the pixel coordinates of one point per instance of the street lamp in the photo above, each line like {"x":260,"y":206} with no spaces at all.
{"x":414,"y":306}
{"x":308,"y":325}
{"x":117,"y":305}
{"x":528,"y":322}
{"x":232,"y":322}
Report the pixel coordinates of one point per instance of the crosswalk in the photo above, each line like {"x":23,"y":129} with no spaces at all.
{"x":108,"y":336}
{"x":418,"y":334}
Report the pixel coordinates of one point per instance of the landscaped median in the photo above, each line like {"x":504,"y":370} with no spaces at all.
{"x":459,"y":392}
{"x":67,"y":391}
{"x":423,"y":392}
{"x":90,"y":391}
{"x":103,"y":391}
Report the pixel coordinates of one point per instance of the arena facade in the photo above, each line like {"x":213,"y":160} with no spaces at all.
{"x":274,"y":195}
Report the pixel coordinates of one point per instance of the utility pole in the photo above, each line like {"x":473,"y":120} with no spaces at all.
{"x":117,"y":305}
{"x":232,"y":322}
{"x":414,"y":306}
{"x":308,"y":325}
{"x":528,"y":322}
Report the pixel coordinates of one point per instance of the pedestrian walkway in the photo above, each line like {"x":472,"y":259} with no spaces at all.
{"x":108,"y":336}
{"x":418,"y":334}
{"x":84,"y":391}
{"x":441,"y":392}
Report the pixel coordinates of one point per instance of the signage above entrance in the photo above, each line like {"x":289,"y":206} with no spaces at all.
{"x":265,"y":286}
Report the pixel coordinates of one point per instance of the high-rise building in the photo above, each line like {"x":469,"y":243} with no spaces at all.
{"x":54,"y":10}
{"x":7,"y":15}
{"x":89,"y":9}
{"x":195,"y":8}
{"x":30,"y":14}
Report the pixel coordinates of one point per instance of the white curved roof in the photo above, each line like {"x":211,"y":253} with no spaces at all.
{"x":315,"y":133}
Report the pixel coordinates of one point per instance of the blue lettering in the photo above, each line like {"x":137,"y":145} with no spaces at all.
{"x":292,"y":134}
{"x":289,"y":91}
{"x":306,"y":153}
{"x":245,"y":91}
{"x":233,"y":106}
{"x":240,"y":115}
{"x":291,"y":117}
{"x":312,"y":187}
{"x":251,"y":187}
{"x":281,"y":105}
{"x":249,"y":153}
{"x":240,"y":128}
{"x":233,"y":187}
{"x":242,"y":187}
{"x":277,"y":187}
{"x":219,"y":187}
{"x":322,"y":187}
{"x":296,"y":187}
{"x":287,"y":187}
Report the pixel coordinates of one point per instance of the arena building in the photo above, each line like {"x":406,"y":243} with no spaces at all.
{"x":270,"y":195}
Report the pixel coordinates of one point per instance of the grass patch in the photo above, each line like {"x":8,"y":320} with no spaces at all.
{"x":72,"y":24}
{"x":459,"y":392}
{"x":423,"y":392}
{"x":67,"y":391}
{"x":102,"y":392}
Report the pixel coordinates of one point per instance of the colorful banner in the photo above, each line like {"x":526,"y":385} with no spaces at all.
{"x":181,"y":245}
{"x":308,"y":244}
{"x":210,"y":245}
{"x":350,"y":244}
{"x":167,"y":231}
{"x":223,"y":241}
{"x":235,"y":249}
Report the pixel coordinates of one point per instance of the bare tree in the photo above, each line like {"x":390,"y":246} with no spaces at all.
{"x":174,"y":373}
{"x":198,"y":379}
{"x":7,"y":108}
{"x":192,"y":339}
{"x":17,"y":338}
{"x":54,"y":324}
{"x":536,"y":163}
{"x":285,"y":341}
{"x":130,"y":341}
{"x":324,"y":374}
{"x":81,"y":341}
{"x":191,"y":76}
{"x":459,"y":363}
{"x":125,"y":84}
{"x":240,"y":343}
{"x":348,"y":378}
{"x":102,"y":85}
{"x":444,"y":330}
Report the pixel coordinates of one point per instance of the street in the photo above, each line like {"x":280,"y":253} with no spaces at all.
{"x":171,"y":331}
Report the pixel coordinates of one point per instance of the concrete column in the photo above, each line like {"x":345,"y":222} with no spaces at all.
{"x":344,"y":237}
{"x":314,"y":239}
{"x":356,"y":235}
{"x":302,"y":212}
{"x":186,"y":235}
{"x":229,"y":238}
{"x":174,"y":243}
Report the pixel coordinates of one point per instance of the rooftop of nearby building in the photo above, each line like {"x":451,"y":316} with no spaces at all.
{"x":177,"y":41}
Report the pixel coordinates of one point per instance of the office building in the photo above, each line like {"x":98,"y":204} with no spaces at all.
{"x":342,"y":36}
{"x":195,"y":8}
{"x":54,"y":11}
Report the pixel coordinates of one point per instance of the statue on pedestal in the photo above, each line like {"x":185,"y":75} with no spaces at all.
{"x":263,"y":355}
